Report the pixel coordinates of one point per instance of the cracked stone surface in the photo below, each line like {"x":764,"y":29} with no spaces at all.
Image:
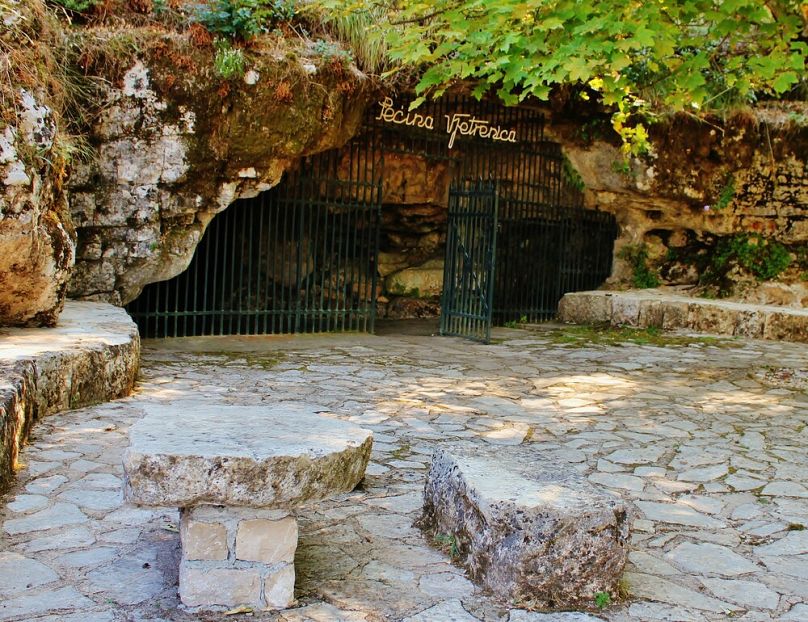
{"x":705,"y":442}
{"x":193,"y":452}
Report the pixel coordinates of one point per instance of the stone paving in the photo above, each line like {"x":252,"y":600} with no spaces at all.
{"x":708,"y":440}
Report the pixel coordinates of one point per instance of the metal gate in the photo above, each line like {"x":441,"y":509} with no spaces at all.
{"x":468,"y":274}
{"x":298,"y":258}
{"x":545,"y":251}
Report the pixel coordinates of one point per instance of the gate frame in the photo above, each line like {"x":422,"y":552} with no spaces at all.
{"x":466,"y":311}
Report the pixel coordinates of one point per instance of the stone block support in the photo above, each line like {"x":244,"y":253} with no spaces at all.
{"x":237,"y":556}
{"x":237,"y":473}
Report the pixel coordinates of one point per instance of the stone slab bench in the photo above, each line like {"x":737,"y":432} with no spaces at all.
{"x":535,"y":534}
{"x":660,"y":309}
{"x":238,"y":473}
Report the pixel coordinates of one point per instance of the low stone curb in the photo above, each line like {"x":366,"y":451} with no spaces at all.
{"x":651,"y":308}
{"x":91,"y":356}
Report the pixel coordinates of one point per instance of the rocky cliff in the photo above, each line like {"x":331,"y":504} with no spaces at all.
{"x":36,"y":234}
{"x":176,"y":144}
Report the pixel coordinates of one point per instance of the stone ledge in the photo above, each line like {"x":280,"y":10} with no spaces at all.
{"x":654,"y":308}
{"x":91,"y":356}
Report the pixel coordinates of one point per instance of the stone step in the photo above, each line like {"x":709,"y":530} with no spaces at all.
{"x":659,"y":309}
{"x":91,"y":356}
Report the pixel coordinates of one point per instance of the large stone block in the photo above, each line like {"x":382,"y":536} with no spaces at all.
{"x":238,"y":547}
{"x":626,"y":310}
{"x":712,"y":317}
{"x":277,"y":457}
{"x":267,"y":541}
{"x":791,"y":325}
{"x":422,"y":282}
{"x":585,"y":307}
{"x":91,"y":356}
{"x":203,"y":540}
{"x":204,"y":587}
{"x":532,"y":532}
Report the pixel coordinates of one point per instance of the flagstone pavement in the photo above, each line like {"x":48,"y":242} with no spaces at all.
{"x":708,"y":440}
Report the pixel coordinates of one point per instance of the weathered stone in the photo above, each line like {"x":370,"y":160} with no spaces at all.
{"x":446,"y":585}
{"x":794,"y":543}
{"x":447,"y":610}
{"x":57,"y":515}
{"x":746,"y":593}
{"x":90,"y":557}
{"x":322,"y":612}
{"x":659,"y":589}
{"x":267,"y":541}
{"x":677,"y":513}
{"x":37,"y":240}
{"x":203,"y":540}
{"x":798,"y":613}
{"x":201,"y":586}
{"x":27,"y":503}
{"x":29,"y":606}
{"x":93,"y":499}
{"x":128,"y":581}
{"x":710,"y":558}
{"x":171,"y":158}
{"x":264,"y":457}
{"x":279,"y":587}
{"x":423,"y":281}
{"x":644,"y":308}
{"x":592,"y":309}
{"x":20,"y":573}
{"x":713,"y":318}
{"x":65,"y":539}
{"x":625,"y":311}
{"x":92,"y":356}
{"x":530,"y":531}
{"x":787,"y":325}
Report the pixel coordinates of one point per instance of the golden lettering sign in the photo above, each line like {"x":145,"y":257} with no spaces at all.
{"x":456,"y":124}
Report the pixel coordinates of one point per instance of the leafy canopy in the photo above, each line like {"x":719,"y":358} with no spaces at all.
{"x":639,"y":57}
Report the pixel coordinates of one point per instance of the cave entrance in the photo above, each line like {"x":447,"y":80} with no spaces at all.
{"x":362,"y":230}
{"x":299,"y":258}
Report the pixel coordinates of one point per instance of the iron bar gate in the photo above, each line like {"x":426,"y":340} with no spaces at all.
{"x":299,"y":258}
{"x":468,"y":274}
{"x":303,"y":257}
{"x":544,"y":243}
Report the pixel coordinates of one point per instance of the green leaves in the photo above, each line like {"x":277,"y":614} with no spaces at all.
{"x":641,"y":57}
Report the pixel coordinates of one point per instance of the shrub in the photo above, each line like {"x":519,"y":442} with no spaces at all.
{"x":643,"y":277}
{"x":229,"y":61}
{"x":762,"y":257}
{"x":242,"y":19}
{"x":332,"y":52}
{"x":77,"y":6}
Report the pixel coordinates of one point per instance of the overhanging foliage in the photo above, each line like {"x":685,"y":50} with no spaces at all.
{"x":638,"y":57}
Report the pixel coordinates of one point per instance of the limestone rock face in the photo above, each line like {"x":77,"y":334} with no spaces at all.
{"x":700,"y":184}
{"x":273,"y":457}
{"x":36,"y":237}
{"x":534,"y":533}
{"x":172,"y":153}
